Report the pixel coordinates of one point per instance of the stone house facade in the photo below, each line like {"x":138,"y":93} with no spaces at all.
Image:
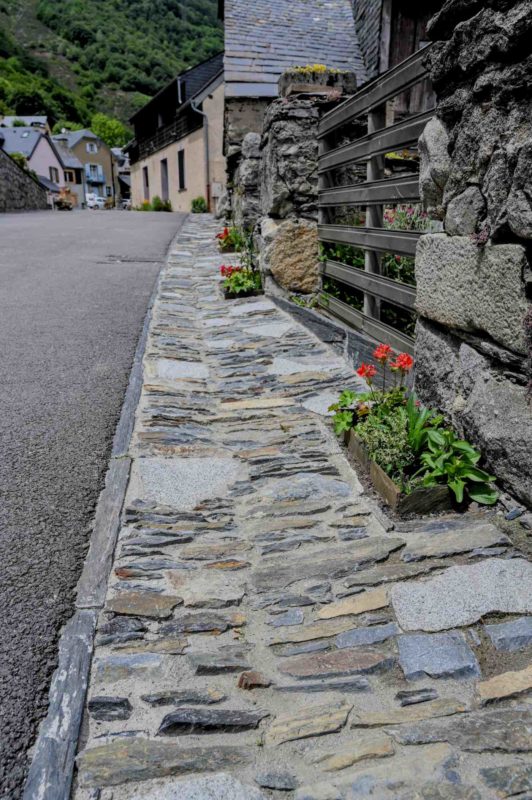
{"x":177,"y":153}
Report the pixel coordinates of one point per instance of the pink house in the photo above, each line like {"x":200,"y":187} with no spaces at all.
{"x":40,"y":152}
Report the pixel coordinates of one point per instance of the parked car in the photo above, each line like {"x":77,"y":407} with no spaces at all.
{"x":94,"y":201}
{"x":126,"y":204}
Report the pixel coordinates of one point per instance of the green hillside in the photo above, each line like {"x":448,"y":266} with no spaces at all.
{"x":71,"y":58}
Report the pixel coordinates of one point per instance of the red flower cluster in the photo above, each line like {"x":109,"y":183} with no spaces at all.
{"x":382,"y":353}
{"x":403,"y":363}
{"x":367,"y":371}
{"x":226,"y":272}
{"x":223,"y":235}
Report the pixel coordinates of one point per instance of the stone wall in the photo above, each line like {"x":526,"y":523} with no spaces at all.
{"x":474,"y":280}
{"x":18,"y":190}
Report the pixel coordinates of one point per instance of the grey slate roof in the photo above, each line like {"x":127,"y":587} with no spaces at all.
{"x":49,"y":185}
{"x":21,"y":140}
{"x":29,"y":121}
{"x":73,"y":137}
{"x":265,"y":37}
{"x":193,"y":81}
{"x":68,"y":159}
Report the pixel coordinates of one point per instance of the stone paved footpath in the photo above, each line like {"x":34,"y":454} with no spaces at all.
{"x":265,"y":634}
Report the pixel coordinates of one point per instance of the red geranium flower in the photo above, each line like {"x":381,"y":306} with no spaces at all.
{"x":367,"y":371}
{"x":224,"y":234}
{"x":403,"y":362}
{"x":382,"y":353}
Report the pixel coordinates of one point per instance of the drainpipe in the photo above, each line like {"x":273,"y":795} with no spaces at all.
{"x":206,"y":142}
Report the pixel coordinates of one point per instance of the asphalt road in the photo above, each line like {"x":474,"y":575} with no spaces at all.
{"x":74,"y":289}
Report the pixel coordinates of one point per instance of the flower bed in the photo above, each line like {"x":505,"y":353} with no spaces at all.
{"x":416,"y":463}
{"x":240,"y":282}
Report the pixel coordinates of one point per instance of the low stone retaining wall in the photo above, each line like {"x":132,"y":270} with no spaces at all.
{"x":18,"y":190}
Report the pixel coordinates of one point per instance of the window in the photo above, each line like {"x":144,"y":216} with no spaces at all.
{"x":164,"y":179}
{"x":92,"y":147}
{"x":93,"y":171}
{"x":181,"y":169}
{"x":54,"y":174}
{"x":108,"y":191}
{"x":146,"y":183}
{"x":69,"y":176}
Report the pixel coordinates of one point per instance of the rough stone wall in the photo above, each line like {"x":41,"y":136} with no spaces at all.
{"x":368,"y":27}
{"x":474,"y":280}
{"x":241,"y":117}
{"x":246,"y":184}
{"x":289,"y":194}
{"x":18,"y":191}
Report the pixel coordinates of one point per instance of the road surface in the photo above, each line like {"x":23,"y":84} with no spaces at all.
{"x":74,"y":289}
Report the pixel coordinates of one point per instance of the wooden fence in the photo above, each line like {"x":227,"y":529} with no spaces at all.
{"x":373,"y":106}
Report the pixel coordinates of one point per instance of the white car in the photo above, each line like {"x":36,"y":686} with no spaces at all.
{"x":94,"y":201}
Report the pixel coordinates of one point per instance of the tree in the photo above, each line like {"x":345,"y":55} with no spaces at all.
{"x":68,"y":126}
{"x":113,"y":132}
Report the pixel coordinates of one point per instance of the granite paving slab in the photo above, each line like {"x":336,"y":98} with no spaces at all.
{"x":268,"y":632}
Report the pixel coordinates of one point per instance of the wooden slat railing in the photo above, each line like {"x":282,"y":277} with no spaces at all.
{"x":370,"y":104}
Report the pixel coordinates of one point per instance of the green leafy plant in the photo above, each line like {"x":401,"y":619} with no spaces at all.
{"x":199,"y":205}
{"x":453,"y":461}
{"x":422,"y":425}
{"x":160,"y":205}
{"x":242,"y":281}
{"x":387,"y":441}
{"x":230,"y":239}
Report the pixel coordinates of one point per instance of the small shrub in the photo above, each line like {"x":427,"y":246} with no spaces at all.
{"x":21,"y":160}
{"x":156,"y":205}
{"x":199,"y":205}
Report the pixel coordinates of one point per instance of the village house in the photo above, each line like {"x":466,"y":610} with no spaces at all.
{"x":123,"y":173}
{"x":97,"y":161}
{"x":40,"y":154}
{"x":74,"y":173}
{"x":177,"y":152}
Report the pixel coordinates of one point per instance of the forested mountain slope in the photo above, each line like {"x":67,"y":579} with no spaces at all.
{"x":70,"y":58}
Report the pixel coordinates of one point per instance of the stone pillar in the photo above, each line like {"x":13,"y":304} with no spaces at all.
{"x":246,"y":184}
{"x":289,"y":196}
{"x":289,"y":255}
{"x":474,"y":279}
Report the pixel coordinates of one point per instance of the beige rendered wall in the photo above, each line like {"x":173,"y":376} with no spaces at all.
{"x":213,"y":106}
{"x":195,"y":175}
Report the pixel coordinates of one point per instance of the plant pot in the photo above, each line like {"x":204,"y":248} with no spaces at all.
{"x":309,"y":81}
{"x":423,"y":500}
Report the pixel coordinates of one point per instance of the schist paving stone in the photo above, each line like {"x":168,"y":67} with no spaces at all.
{"x":437,"y":655}
{"x":267,"y":630}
